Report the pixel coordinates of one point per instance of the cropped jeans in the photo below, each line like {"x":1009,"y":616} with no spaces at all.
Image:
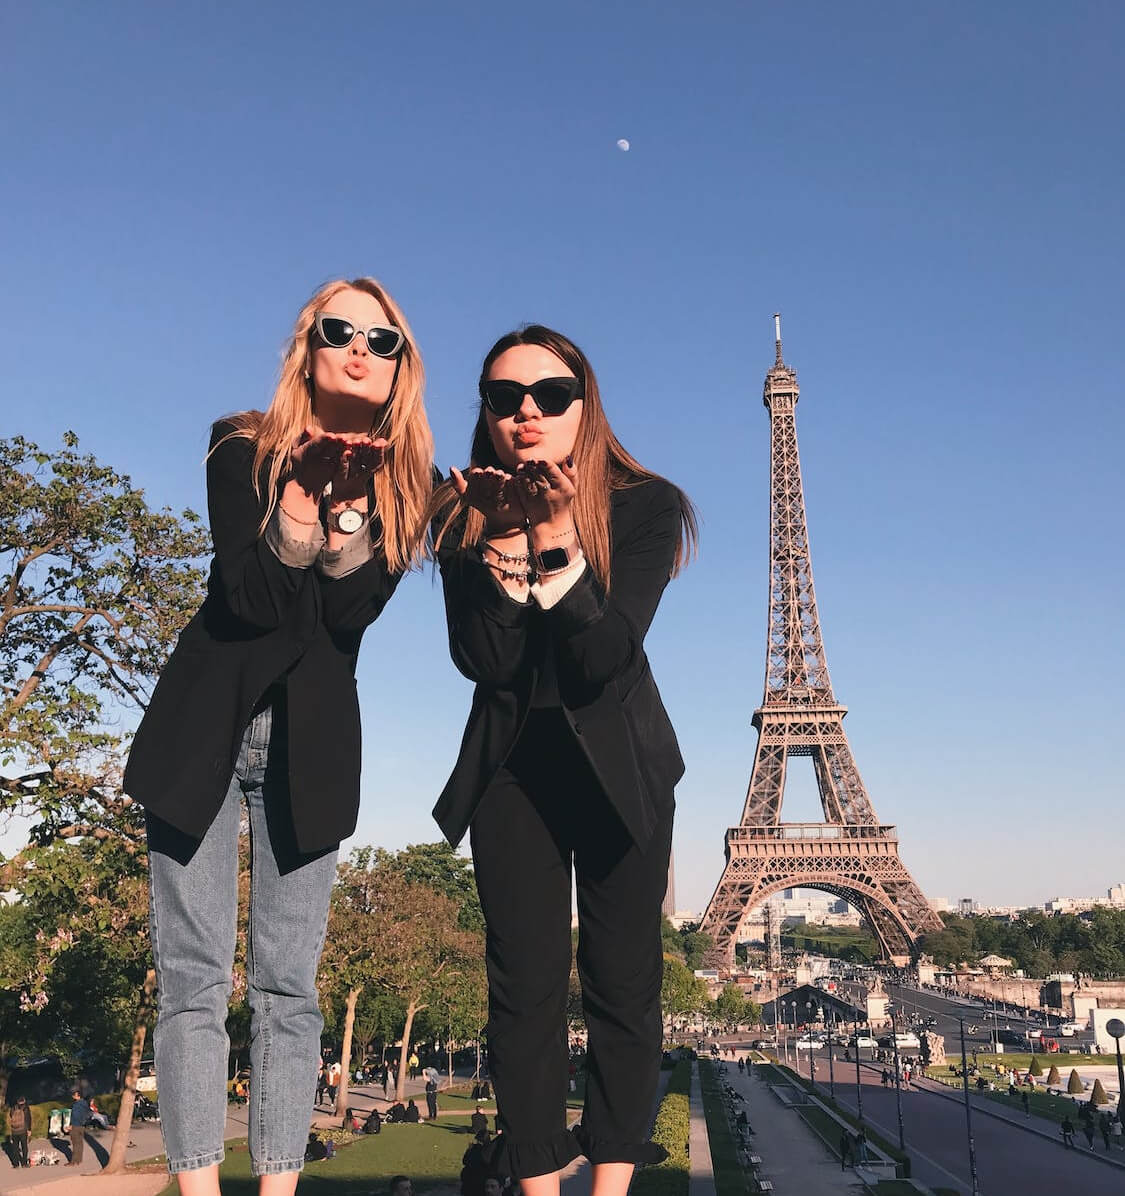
{"x":193,"y":917}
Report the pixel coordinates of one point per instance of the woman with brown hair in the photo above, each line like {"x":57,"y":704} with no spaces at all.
{"x":555,"y":547}
{"x":317,"y":508}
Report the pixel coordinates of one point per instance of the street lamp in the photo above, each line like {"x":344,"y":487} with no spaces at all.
{"x":968,"y":1112}
{"x":858,"y":1085}
{"x":1116,"y":1028}
{"x":808,"y":1035}
{"x":898,"y":1078}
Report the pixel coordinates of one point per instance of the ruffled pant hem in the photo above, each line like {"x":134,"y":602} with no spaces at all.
{"x":525,"y":1160}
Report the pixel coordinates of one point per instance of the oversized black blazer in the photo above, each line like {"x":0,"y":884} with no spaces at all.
{"x":260,"y":622}
{"x":608,"y":693}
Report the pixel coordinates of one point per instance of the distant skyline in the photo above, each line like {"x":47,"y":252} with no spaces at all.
{"x":931,"y":197}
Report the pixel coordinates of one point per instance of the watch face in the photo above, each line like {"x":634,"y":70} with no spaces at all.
{"x":552,"y":559}
{"x":349,"y":520}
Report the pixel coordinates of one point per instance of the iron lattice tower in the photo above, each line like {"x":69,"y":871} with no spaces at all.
{"x":849,"y":854}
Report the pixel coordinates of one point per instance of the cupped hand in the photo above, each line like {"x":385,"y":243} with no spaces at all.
{"x":546,"y":490}
{"x":492,"y":492}
{"x":316,"y":459}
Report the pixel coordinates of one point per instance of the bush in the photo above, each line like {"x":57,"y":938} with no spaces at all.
{"x":1053,"y":1076}
{"x":671,"y":1130}
{"x":1036,"y":1067}
{"x":1098,"y":1095}
{"x":1074,"y":1084}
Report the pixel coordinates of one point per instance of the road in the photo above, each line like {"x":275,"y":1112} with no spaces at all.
{"x":1009,"y":1158}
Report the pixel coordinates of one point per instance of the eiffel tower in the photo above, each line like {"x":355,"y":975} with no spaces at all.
{"x":849,"y":854}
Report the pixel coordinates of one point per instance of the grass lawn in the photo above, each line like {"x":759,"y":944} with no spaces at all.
{"x":1021,"y":1061}
{"x":429,"y":1153}
{"x":1053,"y":1108}
{"x":459,"y":1098}
{"x":730,"y":1179}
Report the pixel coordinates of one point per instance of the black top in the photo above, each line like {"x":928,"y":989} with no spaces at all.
{"x":262,"y":622}
{"x":596,"y":643}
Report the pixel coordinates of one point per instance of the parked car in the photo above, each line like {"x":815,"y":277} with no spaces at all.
{"x":146,"y":1076}
{"x":862,"y":1040}
{"x":1069,"y":1029}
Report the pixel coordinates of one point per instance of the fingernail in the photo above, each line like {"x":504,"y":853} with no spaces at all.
{"x":569,"y":461}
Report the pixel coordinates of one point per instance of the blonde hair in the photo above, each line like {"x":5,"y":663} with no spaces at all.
{"x":404,"y":485}
{"x":601,"y":460}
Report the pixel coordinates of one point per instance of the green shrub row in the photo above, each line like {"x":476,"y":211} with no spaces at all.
{"x":671,"y":1130}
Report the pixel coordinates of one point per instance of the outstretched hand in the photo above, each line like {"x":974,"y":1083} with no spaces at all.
{"x":492,"y":492}
{"x":346,"y":459}
{"x":546,"y":490}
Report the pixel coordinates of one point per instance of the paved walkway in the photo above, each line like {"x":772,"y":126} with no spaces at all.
{"x":701,"y":1178}
{"x":794,"y":1157}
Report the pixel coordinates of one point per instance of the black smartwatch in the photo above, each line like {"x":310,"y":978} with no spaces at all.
{"x":553,"y":560}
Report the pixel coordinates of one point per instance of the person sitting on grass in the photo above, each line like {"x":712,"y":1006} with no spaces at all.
{"x":315,"y":1150}
{"x":413,"y":1114}
{"x":396,"y":1114}
{"x":478,"y":1122}
{"x":374,"y":1122}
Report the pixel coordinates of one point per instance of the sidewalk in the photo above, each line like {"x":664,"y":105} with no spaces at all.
{"x":794,"y":1157}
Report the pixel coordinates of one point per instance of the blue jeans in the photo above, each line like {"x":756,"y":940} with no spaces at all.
{"x":193,"y":891}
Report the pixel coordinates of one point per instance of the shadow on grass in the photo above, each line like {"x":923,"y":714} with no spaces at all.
{"x":364,"y":1167}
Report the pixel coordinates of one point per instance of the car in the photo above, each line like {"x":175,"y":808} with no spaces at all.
{"x":807,"y":1043}
{"x":909,"y":1042}
{"x":862,"y":1040}
{"x":1069,"y":1029}
{"x":146,"y":1076}
{"x":764,"y":1044}
{"x":1010,"y":1037}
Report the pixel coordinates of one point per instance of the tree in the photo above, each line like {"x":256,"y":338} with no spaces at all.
{"x":401,"y":936}
{"x":730,"y":1007}
{"x":1053,"y":1077}
{"x":1036,"y":1068}
{"x":96,"y":588}
{"x":440,"y":867}
{"x":1097,"y":1094}
{"x":681,"y":992}
{"x":1074,"y":1084}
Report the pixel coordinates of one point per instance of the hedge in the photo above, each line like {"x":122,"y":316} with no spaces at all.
{"x":1074,"y":1084}
{"x":671,"y":1130}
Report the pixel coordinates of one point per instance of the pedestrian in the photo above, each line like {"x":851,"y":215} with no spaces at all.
{"x":1104,"y":1122}
{"x":861,"y":1145}
{"x":555,"y":547}
{"x":1088,"y":1131}
{"x":19,"y":1126}
{"x":321,"y":1083}
{"x":1067,"y":1129}
{"x":334,"y":1072}
{"x":847,"y":1151}
{"x":413,"y":1073}
{"x":386,"y":1080}
{"x":79,"y":1120}
{"x":886,"y":1077}
{"x":1115,"y":1130}
{"x":315,"y":511}
{"x":741,"y":1066}
{"x":431,"y":1098}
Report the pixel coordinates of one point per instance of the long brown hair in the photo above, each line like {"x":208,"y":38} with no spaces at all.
{"x":403,"y":486}
{"x":601,"y":461}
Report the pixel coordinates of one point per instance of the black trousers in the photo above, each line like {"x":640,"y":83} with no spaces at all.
{"x":543,"y":814}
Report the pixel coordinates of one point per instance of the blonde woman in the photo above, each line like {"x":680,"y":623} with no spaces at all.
{"x":555,"y":547}
{"x":317,"y":508}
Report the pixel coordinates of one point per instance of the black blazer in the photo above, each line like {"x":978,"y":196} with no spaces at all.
{"x":607,"y":690}
{"x":261,"y":622}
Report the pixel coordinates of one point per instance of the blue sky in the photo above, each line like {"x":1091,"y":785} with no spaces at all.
{"x":930,"y":194}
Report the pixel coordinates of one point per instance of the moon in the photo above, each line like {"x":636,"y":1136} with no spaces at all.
{"x":623,"y":145}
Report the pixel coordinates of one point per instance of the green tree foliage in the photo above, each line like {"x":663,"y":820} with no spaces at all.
{"x":1053,"y":1077}
{"x":1097,"y":1094}
{"x":440,"y":867}
{"x":688,"y":944}
{"x":1036,"y":1068}
{"x":681,"y":993}
{"x":95,"y":587}
{"x":1092,"y":943}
